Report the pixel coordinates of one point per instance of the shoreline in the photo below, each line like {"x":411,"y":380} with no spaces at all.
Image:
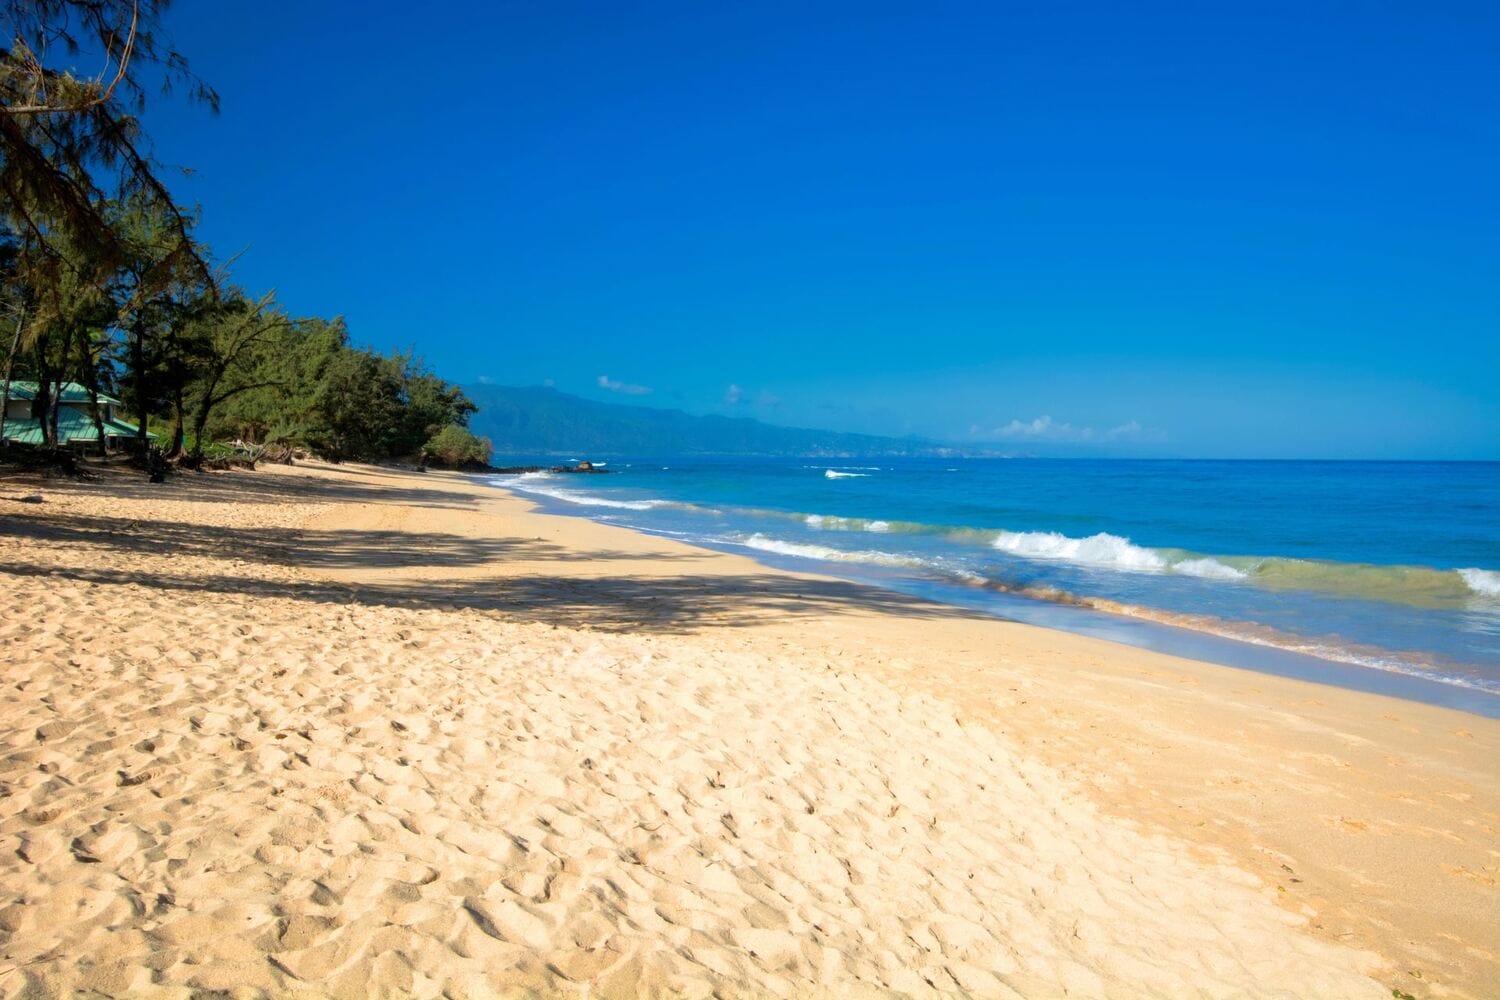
{"x":1195,"y":637}
{"x":1279,"y":692}
{"x":1366,"y":822}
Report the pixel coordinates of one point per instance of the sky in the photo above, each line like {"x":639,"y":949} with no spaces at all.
{"x":1195,"y":230}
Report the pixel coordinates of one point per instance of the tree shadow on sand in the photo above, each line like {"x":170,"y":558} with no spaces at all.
{"x":309,"y":548}
{"x":669,"y":604}
{"x":109,"y":550}
{"x":120,"y":550}
{"x":352,"y":485}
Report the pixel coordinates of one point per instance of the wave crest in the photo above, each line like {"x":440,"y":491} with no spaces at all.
{"x":1484,"y":582}
{"x":824,"y":553}
{"x":830,"y":522}
{"x":1107,"y":551}
{"x":1103,"y":549}
{"x":1208,"y":569}
{"x":531,"y":482}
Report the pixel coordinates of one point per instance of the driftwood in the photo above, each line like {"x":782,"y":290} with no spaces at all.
{"x":223,"y":463}
{"x":242,"y":458}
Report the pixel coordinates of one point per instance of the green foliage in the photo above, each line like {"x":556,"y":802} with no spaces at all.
{"x":308,"y":386}
{"x":373,"y":406}
{"x":286,"y":373}
{"x":431,"y":404}
{"x":455,"y":445}
{"x":102,"y":281}
{"x":71,"y":146}
{"x":360,"y":404}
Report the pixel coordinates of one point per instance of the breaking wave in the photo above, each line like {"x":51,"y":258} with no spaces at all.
{"x":1096,"y":550}
{"x":1208,"y":569}
{"x":1109,"y":552}
{"x":1414,"y":586}
{"x":1411,"y":664}
{"x":1484,"y":582}
{"x":542,"y":484}
{"x":840,"y":474}
{"x":823,"y":553}
{"x":827,"y":522}
{"x":1419,"y":586}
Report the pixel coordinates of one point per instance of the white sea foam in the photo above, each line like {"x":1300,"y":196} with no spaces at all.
{"x":824,"y":553}
{"x":1484,"y":582}
{"x":837,"y":474}
{"x":828,"y":522}
{"x":1208,"y":569}
{"x":532,"y":482}
{"x":1391,"y":663}
{"x":1109,"y":552}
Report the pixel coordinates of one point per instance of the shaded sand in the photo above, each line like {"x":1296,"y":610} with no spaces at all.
{"x":356,"y":733}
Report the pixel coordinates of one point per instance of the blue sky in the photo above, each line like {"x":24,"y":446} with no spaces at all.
{"x":1271,"y":231}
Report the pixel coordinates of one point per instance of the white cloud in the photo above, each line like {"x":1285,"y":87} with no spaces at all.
{"x":1128,"y":431}
{"x":486,"y":380}
{"x":736,"y":395}
{"x":1044,"y":428}
{"x":628,"y":388}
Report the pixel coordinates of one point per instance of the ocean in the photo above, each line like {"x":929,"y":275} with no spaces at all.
{"x":1381,"y":576}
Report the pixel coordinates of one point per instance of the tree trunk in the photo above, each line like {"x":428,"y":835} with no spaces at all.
{"x":205,"y":406}
{"x":41,"y":403}
{"x":200,"y":424}
{"x":57,"y":408}
{"x":177,"y":431}
{"x":138,"y":367}
{"x":10,"y":367}
{"x":88,"y":376}
{"x":93,"y":390}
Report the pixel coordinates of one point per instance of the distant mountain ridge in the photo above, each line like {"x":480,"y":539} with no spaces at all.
{"x":533,"y":419}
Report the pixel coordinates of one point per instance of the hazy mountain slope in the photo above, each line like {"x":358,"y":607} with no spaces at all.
{"x":520,"y":420}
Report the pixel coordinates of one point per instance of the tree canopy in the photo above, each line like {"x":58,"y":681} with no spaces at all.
{"x":103,"y":282}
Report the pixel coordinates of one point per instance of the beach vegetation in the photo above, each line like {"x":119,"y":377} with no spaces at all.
{"x":72,"y":147}
{"x":104,"y":283}
{"x":455,"y":445}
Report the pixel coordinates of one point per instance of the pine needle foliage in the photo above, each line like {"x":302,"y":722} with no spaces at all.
{"x":71,"y":142}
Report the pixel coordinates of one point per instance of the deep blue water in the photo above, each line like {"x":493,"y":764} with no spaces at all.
{"x":1357,"y":573}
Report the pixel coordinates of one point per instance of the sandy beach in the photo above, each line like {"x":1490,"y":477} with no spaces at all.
{"x":346,"y":731}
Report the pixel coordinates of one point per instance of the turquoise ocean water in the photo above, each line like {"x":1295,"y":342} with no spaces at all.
{"x":1373,"y":575}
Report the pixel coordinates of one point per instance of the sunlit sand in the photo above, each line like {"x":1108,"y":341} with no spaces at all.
{"x":344,"y":731}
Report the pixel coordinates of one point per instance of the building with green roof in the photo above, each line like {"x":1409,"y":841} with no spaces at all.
{"x":75,"y":420}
